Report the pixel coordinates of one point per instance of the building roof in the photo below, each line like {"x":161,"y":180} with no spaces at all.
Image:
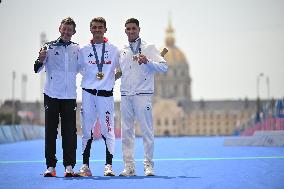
{"x":175,"y":55}
{"x":218,"y":105}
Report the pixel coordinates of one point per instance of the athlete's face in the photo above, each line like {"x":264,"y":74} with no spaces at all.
{"x":132,"y":31}
{"x":98,"y":30}
{"x":66,"y":31}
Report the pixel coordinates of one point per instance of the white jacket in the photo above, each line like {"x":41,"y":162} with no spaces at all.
{"x":61,"y":66}
{"x":139,"y":79}
{"x":89,"y":67}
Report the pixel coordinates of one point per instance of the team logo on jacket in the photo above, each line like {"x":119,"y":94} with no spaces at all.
{"x":90,"y":55}
{"x":108,"y":121}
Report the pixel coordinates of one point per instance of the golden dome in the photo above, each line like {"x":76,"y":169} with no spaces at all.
{"x":174,"y":55}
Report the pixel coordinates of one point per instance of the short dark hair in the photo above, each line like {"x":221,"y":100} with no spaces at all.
{"x":69,"y":21}
{"x":98,"y":19}
{"x":132,"y":20}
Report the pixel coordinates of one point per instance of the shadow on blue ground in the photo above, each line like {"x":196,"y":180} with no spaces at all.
{"x":125,"y":178}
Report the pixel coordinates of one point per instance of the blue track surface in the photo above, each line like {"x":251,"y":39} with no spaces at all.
{"x":179,"y":163}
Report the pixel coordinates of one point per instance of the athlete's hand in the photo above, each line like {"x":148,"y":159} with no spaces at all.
{"x":42,"y":54}
{"x":142,"y":59}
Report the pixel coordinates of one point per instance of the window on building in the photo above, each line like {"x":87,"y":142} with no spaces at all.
{"x":158,"y":122}
{"x":197,"y":131}
{"x":167,"y":133}
{"x":166,"y":122}
{"x":227,"y":115}
{"x":235,"y":116}
{"x":218,"y":131}
{"x":227,"y":131}
{"x":175,"y":89}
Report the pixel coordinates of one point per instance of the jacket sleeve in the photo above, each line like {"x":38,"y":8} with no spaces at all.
{"x":81,"y":62}
{"x":38,"y":66}
{"x":156,"y":62}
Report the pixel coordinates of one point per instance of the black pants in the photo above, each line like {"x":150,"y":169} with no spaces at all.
{"x":86,"y":153}
{"x":66,"y":108}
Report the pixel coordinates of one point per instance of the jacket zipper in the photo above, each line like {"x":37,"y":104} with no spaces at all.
{"x":66,"y":70}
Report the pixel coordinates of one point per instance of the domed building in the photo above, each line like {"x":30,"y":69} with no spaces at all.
{"x":172,"y":90}
{"x":176,"y":83}
{"x":174,"y":111}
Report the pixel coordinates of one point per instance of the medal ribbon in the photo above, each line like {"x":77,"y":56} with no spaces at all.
{"x":100,"y":64}
{"x":137,"y":49}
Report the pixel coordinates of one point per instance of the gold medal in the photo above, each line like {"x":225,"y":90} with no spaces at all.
{"x":100,"y":75}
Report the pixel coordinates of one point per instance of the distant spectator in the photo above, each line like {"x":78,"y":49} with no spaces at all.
{"x":279,"y":108}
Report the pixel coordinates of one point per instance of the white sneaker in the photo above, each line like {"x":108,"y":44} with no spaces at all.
{"x":108,"y":170}
{"x":149,"y":170}
{"x":69,"y":172}
{"x":128,"y":171}
{"x":85,"y":171}
{"x":50,"y":172}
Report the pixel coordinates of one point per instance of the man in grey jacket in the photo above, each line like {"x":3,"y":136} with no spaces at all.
{"x":60,"y":59}
{"x":138,"y":62}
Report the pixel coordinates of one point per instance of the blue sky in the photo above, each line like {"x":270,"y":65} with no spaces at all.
{"x":227,"y":43}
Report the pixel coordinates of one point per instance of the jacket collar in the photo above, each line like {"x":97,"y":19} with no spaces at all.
{"x":60,"y":42}
{"x":127,"y":46}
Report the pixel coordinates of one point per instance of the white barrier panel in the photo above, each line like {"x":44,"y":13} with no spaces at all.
{"x":16,"y":133}
{"x":260,"y":138}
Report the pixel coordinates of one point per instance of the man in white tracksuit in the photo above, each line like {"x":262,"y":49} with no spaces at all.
{"x":98,"y":61}
{"x":138,"y":63}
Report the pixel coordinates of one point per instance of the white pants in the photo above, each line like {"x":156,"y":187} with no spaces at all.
{"x":97,"y":108}
{"x":139,"y":107}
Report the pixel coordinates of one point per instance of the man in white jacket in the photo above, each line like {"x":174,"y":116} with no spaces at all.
{"x":60,"y":60}
{"x":98,"y":61}
{"x":138,"y":62}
